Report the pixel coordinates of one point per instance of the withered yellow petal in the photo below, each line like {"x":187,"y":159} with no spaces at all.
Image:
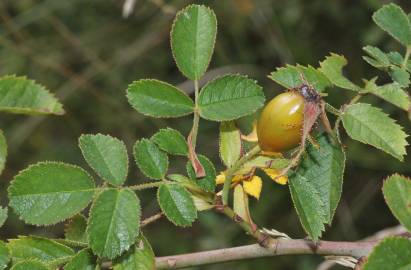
{"x":220,"y":179}
{"x":253,"y":186}
{"x":273,"y":174}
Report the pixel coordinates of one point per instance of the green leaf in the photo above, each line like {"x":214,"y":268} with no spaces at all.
{"x":230,"y":143}
{"x":44,"y":250}
{"x":158,"y":99}
{"x":192,"y":40}
{"x":30,"y":265}
{"x":392,"y":92}
{"x":370,"y":125}
{"x":3,"y":215}
{"x":84,"y":260}
{"x":50,"y":192}
{"x":397,"y":194}
{"x":140,"y":256}
{"x":20,"y":95}
{"x":206,"y":183}
{"x":392,"y":253}
{"x":107,"y":156}
{"x":3,"y":151}
{"x":332,"y":67}
{"x":379,"y":58}
{"x":114,"y":222}
{"x":4,"y":255}
{"x":322,"y":172}
{"x":230,"y":97}
{"x":290,"y":77}
{"x":171,"y":141}
{"x":75,"y":229}
{"x":400,"y":76}
{"x":392,"y":19}
{"x":240,"y":202}
{"x":152,"y":161}
{"x":176,"y":203}
{"x":395,"y":58}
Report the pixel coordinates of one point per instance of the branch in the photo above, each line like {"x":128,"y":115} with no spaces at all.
{"x":274,"y":247}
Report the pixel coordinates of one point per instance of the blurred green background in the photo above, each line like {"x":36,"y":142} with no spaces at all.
{"x":87,"y":53}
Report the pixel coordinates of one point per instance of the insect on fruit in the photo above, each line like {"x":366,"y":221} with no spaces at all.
{"x":287,"y":120}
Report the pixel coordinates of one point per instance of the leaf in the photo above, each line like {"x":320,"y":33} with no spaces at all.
{"x":253,"y":186}
{"x":379,"y":58}
{"x":176,"y":203}
{"x":290,"y":77}
{"x":3,"y":215}
{"x":230,"y":143}
{"x":4,"y":255}
{"x":206,"y":183}
{"x":332,"y":67}
{"x":201,"y":205}
{"x":20,"y":95}
{"x":158,"y":99}
{"x":397,"y":194}
{"x":107,"y":156}
{"x":171,"y":141}
{"x":392,"y":253}
{"x":114,"y":222}
{"x":230,"y":97}
{"x":321,"y":172}
{"x":192,"y":40}
{"x":84,"y":260}
{"x":75,"y":230}
{"x":240,"y":203}
{"x":395,"y":58}
{"x":140,"y":256}
{"x":150,"y":160}
{"x":42,"y":249}
{"x":370,"y":125}
{"x":392,"y":92}
{"x":30,"y":265}
{"x":392,"y":19}
{"x":400,"y":76}
{"x":3,"y":151}
{"x":50,"y":192}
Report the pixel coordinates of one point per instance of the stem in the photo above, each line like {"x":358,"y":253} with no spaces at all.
{"x":147,"y":185}
{"x":231,"y":171}
{"x":196,"y":118}
{"x":151,"y":219}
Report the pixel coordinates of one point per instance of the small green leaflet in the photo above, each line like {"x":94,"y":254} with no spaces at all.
{"x":397,"y":194}
{"x":30,"y":265}
{"x":378,"y":58}
{"x":176,"y":203}
{"x":230,"y":97}
{"x":140,"y":256}
{"x":171,"y":141}
{"x":4,"y":255}
{"x":391,"y":92}
{"x":192,"y":40}
{"x":75,"y":229}
{"x":392,"y":19}
{"x":230,"y":143}
{"x":392,"y":253}
{"x":370,"y":125}
{"x":50,"y":192}
{"x":3,"y":151}
{"x":3,"y":215}
{"x":401,"y":76}
{"x":114,"y":222}
{"x":240,"y":203}
{"x":84,"y":260}
{"x":152,"y":162}
{"x":332,"y":67}
{"x":206,"y":183}
{"x":107,"y":156}
{"x":20,"y":95}
{"x":158,"y":99}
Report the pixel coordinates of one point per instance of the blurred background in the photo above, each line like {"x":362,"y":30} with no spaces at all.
{"x":87,"y":52}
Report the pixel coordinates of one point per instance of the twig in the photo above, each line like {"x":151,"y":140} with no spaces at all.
{"x":151,"y":219}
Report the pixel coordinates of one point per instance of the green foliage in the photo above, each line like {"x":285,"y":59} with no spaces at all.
{"x":192,"y":40}
{"x":391,"y":92}
{"x":370,"y":125}
{"x":401,"y":76}
{"x":150,"y":159}
{"x":171,"y":141}
{"x":20,"y":95}
{"x":397,"y":194}
{"x":230,"y":97}
{"x":3,"y":151}
{"x":140,"y":256}
{"x":4,"y":255}
{"x":392,"y":253}
{"x":378,"y":58}
{"x":206,"y":183}
{"x":75,"y":229}
{"x":114,"y":222}
{"x":84,"y":260}
{"x":30,"y":264}
{"x":3,"y":215}
{"x":50,"y":192}
{"x":45,"y":250}
{"x":332,"y":67}
{"x":316,"y":185}
{"x":176,"y":203}
{"x":230,"y":143}
{"x":392,"y":19}
{"x":158,"y":99}
{"x":107,"y":156}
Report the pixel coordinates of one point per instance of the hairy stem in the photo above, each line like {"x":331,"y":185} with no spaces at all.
{"x":147,"y":185}
{"x":196,"y":118}
{"x":151,"y":219}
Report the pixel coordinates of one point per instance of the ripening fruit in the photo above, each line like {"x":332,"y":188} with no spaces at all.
{"x":280,"y":125}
